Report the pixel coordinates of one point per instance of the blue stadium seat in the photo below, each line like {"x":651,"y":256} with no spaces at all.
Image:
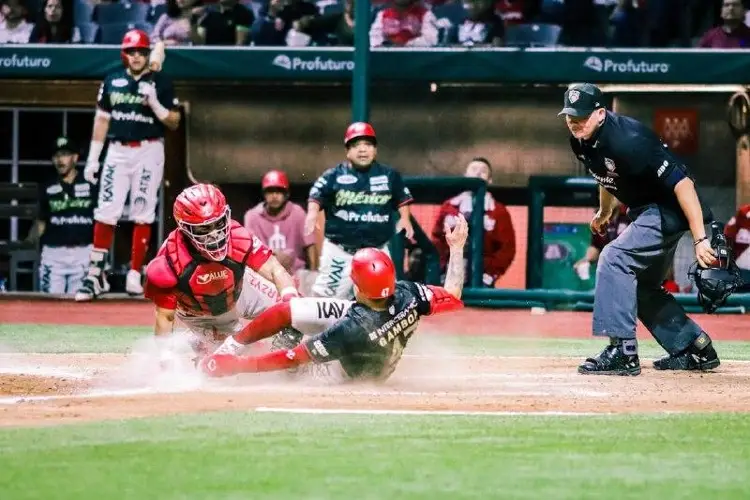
{"x":111,"y":34}
{"x":449,"y":18}
{"x":83,"y":12}
{"x":155,"y":12}
{"x":532,"y":35}
{"x":88,"y":32}
{"x":113,"y":13}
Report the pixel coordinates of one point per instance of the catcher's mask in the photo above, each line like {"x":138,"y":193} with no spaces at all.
{"x":716,"y":283}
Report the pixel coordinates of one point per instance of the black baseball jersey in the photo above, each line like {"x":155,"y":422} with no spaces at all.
{"x":369,"y":343}
{"x":68,"y":212}
{"x":131,"y":119}
{"x":634,"y":165}
{"x":359,"y":204}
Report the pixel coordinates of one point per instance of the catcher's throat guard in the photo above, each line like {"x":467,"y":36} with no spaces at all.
{"x":716,"y":283}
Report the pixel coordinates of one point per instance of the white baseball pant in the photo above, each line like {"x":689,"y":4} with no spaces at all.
{"x":334,"y":272}
{"x":62,"y":269}
{"x":137,"y":171}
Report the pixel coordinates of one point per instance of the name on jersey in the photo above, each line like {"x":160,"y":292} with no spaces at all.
{"x":73,"y":220}
{"x":368,"y":217}
{"x":68,"y":203}
{"x":404,"y":323}
{"x":204,"y":279}
{"x":327,"y":310}
{"x":345,"y":197}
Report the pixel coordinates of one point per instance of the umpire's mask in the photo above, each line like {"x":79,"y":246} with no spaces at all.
{"x":717,"y":282}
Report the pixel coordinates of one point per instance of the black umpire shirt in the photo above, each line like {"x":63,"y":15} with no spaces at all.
{"x":635,"y":166}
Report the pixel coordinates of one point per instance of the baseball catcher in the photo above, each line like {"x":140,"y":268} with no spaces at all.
{"x":201,"y":277}
{"x":368,"y":342}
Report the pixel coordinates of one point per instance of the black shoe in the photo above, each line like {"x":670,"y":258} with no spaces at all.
{"x":611,"y":361}
{"x":700,"y":356}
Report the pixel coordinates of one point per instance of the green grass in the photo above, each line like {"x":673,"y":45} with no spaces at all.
{"x":263,"y":456}
{"x":71,"y":339}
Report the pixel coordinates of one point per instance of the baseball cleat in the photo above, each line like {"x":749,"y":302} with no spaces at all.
{"x":700,"y":356}
{"x":220,"y":365}
{"x":133,"y":284}
{"x":91,"y":288}
{"x":611,"y":361}
{"x":288,"y":338}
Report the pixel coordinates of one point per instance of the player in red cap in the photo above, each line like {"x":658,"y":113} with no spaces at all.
{"x":279,"y":223}
{"x":200,"y":275}
{"x":367,"y":343}
{"x":134,"y":107}
{"x":359,"y":198}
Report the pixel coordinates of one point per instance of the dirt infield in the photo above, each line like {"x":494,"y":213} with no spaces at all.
{"x":61,"y":388}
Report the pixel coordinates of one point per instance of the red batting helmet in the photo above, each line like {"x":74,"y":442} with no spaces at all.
{"x":374,"y":273}
{"x":134,"y":39}
{"x":359,"y":130}
{"x":202,"y":214}
{"x":275,"y":179}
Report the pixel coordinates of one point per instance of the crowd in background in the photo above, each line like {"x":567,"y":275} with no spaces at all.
{"x":412,"y":23}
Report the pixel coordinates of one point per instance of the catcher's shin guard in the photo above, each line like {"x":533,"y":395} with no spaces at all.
{"x":700,"y":356}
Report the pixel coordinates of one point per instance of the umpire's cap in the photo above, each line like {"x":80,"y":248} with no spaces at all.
{"x":65,"y":145}
{"x":581,"y":99}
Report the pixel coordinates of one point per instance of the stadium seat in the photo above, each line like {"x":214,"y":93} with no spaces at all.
{"x":83,"y":12}
{"x":449,"y":18}
{"x":111,"y":34}
{"x":88,"y":31}
{"x":329,"y":6}
{"x":532,"y":35}
{"x":155,"y":12}
{"x":112,"y":13}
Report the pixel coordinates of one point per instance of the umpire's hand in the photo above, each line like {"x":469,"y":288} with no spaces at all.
{"x":90,"y":171}
{"x":599,"y":223}
{"x":704,"y":254}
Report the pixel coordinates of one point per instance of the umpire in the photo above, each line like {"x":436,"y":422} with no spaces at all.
{"x":633,"y":167}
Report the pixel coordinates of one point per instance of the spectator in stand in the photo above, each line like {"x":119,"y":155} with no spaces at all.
{"x":499,"y":237}
{"x":275,"y":21}
{"x":174,"y":26}
{"x":482,"y":25}
{"x":336,"y":28}
{"x":14,"y":28}
{"x":512,"y":11}
{"x":733,"y":33}
{"x":629,"y":21}
{"x":737,"y":231}
{"x":280,"y":223}
{"x":407,"y":23}
{"x":55,"y":24}
{"x":226,"y":23}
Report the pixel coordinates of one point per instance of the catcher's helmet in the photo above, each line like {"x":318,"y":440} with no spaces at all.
{"x":716,"y":283}
{"x":275,"y":179}
{"x":202,"y":214}
{"x":134,"y":39}
{"x":359,"y":130}
{"x":373,"y":273}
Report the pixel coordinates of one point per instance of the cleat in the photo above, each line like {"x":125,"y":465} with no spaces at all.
{"x":611,"y":361}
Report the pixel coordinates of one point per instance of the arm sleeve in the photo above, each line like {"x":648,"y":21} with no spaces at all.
{"x":651,"y":156}
{"x":257,"y":255}
{"x":441,"y":301}
{"x":161,"y":297}
{"x":322,"y":190}
{"x":102,"y":98}
{"x":401,"y":194}
{"x":329,"y":344}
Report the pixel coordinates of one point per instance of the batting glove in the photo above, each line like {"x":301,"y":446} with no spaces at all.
{"x":90,"y":171}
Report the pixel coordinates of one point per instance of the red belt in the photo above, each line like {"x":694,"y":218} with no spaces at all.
{"x":135,"y":144}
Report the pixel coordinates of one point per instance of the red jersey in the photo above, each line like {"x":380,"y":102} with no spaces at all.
{"x":499,"y":237}
{"x":181,"y":278}
{"x":737,"y":232}
{"x":413,"y":26}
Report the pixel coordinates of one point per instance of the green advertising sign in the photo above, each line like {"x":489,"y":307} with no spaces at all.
{"x":502,"y":65}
